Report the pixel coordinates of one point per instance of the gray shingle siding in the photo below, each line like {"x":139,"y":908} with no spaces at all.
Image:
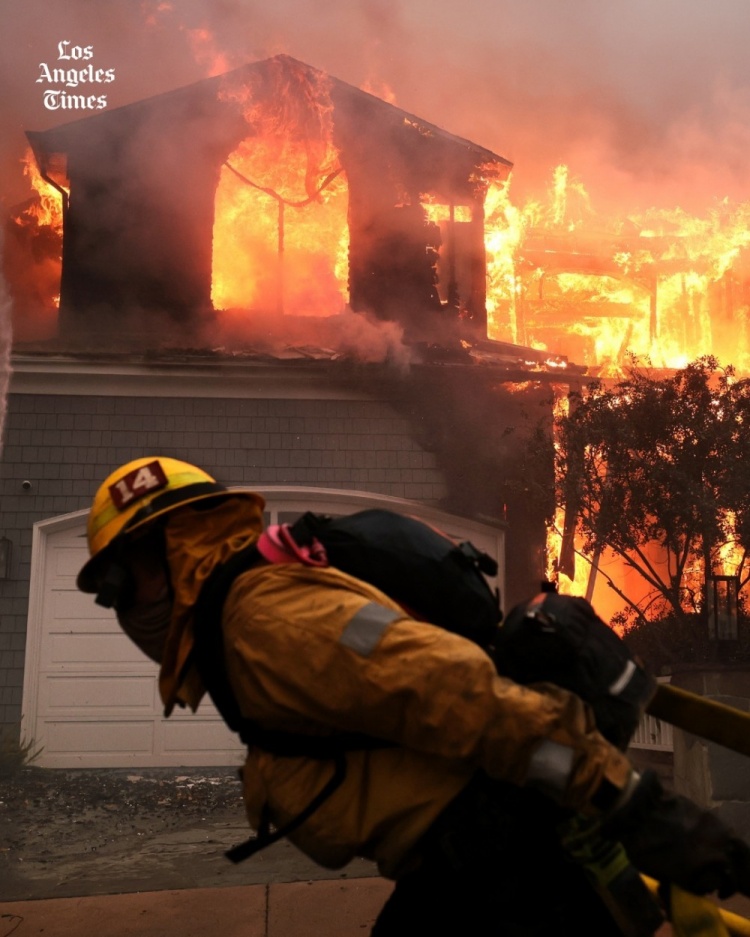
{"x":65,"y":445}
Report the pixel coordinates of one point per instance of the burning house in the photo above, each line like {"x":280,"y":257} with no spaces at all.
{"x":281,"y":278}
{"x":273,"y":189}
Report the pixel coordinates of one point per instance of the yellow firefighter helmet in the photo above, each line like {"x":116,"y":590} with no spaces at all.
{"x":136,"y":494}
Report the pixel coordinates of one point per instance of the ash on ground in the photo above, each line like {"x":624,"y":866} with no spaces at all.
{"x":66,"y":833}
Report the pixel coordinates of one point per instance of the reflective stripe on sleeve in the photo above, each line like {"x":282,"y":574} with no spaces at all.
{"x":366,"y":627}
{"x":550,"y":768}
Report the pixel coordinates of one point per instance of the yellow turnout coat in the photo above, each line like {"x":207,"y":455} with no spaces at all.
{"x":316,"y":651}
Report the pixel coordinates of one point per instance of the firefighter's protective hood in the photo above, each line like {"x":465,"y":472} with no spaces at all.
{"x":196,"y":542}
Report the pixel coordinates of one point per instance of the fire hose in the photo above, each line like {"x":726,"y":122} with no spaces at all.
{"x":560,"y":639}
{"x":698,"y":917}
{"x":726,"y":726}
{"x":711,"y":720}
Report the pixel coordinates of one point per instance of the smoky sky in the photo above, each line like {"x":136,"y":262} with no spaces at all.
{"x":646,"y":101}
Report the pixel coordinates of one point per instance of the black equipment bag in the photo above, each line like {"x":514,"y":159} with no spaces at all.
{"x":431,"y":576}
{"x":434,"y":579}
{"x":560,"y":639}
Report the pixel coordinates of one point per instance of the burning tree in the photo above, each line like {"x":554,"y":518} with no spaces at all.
{"x":655,"y":471}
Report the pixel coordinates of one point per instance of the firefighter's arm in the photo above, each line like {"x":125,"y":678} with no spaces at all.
{"x":321,"y":648}
{"x":542,"y":736}
{"x":351,"y":661}
{"x":545,"y":737}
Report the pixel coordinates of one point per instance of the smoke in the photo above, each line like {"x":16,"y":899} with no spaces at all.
{"x":647,"y":102}
{"x":347,"y":334}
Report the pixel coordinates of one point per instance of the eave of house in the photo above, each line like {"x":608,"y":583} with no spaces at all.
{"x":207,"y":93}
{"x":296,"y":375}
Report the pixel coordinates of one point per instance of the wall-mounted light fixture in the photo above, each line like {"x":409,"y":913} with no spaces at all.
{"x":6,"y":553}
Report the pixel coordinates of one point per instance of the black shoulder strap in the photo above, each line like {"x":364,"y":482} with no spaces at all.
{"x":208,"y":644}
{"x":266,"y":838}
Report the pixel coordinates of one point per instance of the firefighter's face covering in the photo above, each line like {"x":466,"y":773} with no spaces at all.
{"x":145,"y":607}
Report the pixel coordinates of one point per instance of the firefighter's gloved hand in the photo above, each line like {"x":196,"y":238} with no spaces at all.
{"x":673,"y":840}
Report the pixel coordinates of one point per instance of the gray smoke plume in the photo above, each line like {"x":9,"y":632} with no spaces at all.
{"x":646,"y":101}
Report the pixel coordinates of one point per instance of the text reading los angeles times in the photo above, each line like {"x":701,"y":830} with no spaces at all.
{"x":78,"y":73}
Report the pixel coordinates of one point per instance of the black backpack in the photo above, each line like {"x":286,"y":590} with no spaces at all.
{"x":431,"y":576}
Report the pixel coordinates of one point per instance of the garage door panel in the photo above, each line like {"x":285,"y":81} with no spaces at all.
{"x":68,"y":560}
{"x":98,"y":700}
{"x":77,"y":606}
{"x":98,"y":695}
{"x":199,"y":735}
{"x":114,"y":650}
{"x":84,"y":738}
{"x":83,"y":626}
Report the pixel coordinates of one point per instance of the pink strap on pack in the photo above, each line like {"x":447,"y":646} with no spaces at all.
{"x":277,"y":545}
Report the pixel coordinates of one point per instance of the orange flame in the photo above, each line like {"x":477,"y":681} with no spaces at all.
{"x":505,"y":226}
{"x":45,"y":208}
{"x":280,"y":239}
{"x":664,"y":284}
{"x":729,"y":556}
{"x":380,"y":89}
{"x":579,"y":576}
{"x":32,"y":260}
{"x":205,"y":51}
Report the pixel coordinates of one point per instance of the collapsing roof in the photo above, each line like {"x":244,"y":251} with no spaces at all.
{"x":138,"y":223}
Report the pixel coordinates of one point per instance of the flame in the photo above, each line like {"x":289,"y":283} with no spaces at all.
{"x":595,"y":575}
{"x":280,"y":239}
{"x":662,"y":284}
{"x":32,"y":256}
{"x":204,"y":48}
{"x":669,"y":286}
{"x":574,"y":575}
{"x":380,"y":89}
{"x":438,"y":212}
{"x":45,"y":208}
{"x":504,"y":230}
{"x":729,"y":556}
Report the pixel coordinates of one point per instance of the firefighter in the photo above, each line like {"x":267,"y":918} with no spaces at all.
{"x":461,"y":802}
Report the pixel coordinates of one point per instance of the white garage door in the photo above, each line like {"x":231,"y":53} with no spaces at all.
{"x":91,"y":697}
